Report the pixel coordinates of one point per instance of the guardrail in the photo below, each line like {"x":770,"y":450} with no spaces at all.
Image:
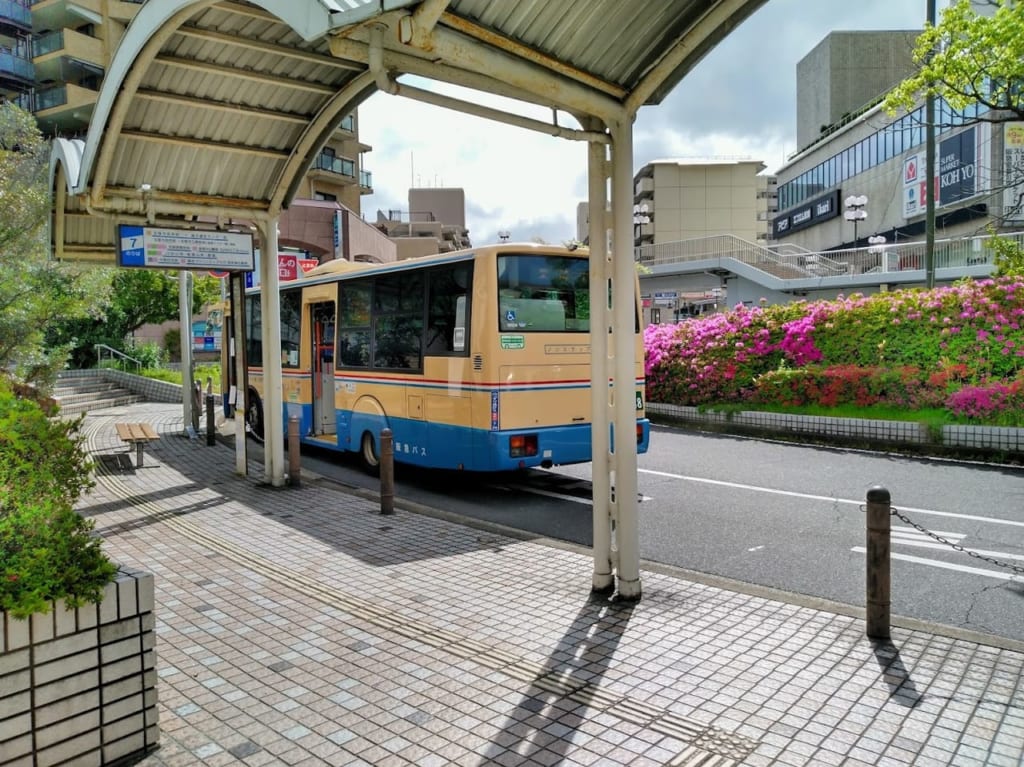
{"x":875,"y":259}
{"x":113,"y":354}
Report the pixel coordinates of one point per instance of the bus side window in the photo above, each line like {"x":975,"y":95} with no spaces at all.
{"x":447,"y":311}
{"x":459,"y":341}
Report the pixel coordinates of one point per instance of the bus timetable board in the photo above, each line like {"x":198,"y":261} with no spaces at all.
{"x":151,"y":247}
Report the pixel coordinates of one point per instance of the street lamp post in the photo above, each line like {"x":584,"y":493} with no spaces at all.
{"x":855,"y":212}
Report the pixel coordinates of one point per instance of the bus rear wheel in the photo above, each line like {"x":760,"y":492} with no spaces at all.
{"x":254,"y":417}
{"x":368,"y":455}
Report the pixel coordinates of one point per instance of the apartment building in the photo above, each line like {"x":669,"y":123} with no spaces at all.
{"x":435,"y":222}
{"x":688,"y":198}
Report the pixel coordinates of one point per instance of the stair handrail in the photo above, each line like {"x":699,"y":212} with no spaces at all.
{"x":112,"y":352}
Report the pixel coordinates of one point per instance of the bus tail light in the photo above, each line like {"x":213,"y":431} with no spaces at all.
{"x":639,"y":434}
{"x":520,"y":445}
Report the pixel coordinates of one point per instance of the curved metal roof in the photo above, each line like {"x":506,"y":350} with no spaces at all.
{"x":220,"y":107}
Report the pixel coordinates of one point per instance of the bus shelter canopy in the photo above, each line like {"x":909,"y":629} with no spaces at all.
{"x":212,"y":112}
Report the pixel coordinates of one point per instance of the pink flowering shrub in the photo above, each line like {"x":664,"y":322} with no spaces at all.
{"x":966,"y":334}
{"x":995,"y":402}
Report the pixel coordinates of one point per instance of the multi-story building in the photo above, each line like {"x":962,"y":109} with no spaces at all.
{"x":690,"y":200}
{"x":434,"y":223}
{"x":863,"y":175}
{"x":683,"y":199}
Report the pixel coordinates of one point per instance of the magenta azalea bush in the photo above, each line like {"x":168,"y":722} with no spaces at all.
{"x":961,"y":347}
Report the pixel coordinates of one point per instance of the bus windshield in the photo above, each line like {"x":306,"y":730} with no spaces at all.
{"x":543,"y":294}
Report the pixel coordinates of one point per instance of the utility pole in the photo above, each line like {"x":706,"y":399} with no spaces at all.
{"x":929,"y":225}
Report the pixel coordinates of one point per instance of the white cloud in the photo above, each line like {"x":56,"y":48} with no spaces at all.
{"x":739,"y":101}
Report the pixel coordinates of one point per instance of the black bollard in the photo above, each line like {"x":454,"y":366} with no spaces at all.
{"x":294,"y":452}
{"x":211,"y":425}
{"x":387,"y":472}
{"x":878,"y":581}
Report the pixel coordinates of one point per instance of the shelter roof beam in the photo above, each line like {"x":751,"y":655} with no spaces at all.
{"x":404,"y":63}
{"x":463,"y":55}
{"x":234,"y":41}
{"x":197,"y":143}
{"x":245,"y":74}
{"x":320,"y":128}
{"x":241,"y":110}
{"x":720,"y":19}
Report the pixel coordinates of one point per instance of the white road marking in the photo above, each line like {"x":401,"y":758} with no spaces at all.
{"x":942,"y":546}
{"x":915,"y":535}
{"x":1007,"y":576}
{"x":830,"y":499}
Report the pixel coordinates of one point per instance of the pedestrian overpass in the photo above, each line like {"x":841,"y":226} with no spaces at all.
{"x":749,"y":272}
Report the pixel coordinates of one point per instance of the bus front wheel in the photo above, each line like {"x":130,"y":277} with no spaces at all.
{"x":254,"y":417}
{"x":368,"y":454}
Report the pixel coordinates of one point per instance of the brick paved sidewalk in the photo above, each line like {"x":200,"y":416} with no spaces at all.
{"x":297,"y":626}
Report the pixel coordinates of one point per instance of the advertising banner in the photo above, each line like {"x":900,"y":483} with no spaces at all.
{"x":1013,"y":171}
{"x":958,"y":174}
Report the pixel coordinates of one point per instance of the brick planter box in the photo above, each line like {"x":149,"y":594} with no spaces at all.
{"x":79,"y":686}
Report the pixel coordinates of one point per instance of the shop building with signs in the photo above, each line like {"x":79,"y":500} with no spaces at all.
{"x":859,"y":179}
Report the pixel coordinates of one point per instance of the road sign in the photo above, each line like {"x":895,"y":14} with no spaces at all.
{"x":150,"y":247}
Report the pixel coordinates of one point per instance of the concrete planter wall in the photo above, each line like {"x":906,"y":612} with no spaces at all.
{"x":79,"y":686}
{"x":990,"y":439}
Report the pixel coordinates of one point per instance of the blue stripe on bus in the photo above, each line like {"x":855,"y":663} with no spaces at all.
{"x":440,"y":445}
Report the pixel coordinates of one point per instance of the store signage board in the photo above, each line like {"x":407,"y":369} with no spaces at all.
{"x":155,"y":248}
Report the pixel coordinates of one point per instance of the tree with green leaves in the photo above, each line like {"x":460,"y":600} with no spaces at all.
{"x":969,"y":58}
{"x":35,"y":291}
{"x":137,"y":297}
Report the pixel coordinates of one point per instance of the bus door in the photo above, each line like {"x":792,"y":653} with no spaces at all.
{"x":324,"y":418}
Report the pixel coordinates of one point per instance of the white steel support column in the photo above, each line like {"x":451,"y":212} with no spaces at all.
{"x":237,"y":283}
{"x":623,"y":369}
{"x":597,"y":170}
{"x":185,"y":319}
{"x":273,"y":418}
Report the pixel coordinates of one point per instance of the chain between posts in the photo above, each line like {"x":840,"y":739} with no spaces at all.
{"x":1017,"y":569}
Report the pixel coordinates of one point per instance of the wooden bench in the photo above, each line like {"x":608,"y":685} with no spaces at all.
{"x":137,"y":434}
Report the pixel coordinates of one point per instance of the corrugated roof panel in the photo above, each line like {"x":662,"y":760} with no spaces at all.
{"x":237,"y":78}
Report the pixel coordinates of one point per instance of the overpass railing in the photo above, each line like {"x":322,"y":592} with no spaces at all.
{"x":792,"y":262}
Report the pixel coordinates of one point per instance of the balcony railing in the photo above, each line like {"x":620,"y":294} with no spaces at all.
{"x":18,"y":12}
{"x":17,"y":66}
{"x":366,"y":179}
{"x":50,"y":98}
{"x":348,"y":123}
{"x":340,"y":165}
{"x":48,"y":43}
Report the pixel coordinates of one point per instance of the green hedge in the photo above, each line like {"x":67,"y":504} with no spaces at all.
{"x":47,"y":550}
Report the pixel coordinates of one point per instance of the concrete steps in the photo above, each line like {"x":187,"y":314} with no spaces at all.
{"x":78,"y":392}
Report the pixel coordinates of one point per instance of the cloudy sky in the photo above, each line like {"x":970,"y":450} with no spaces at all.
{"x":739,"y":101}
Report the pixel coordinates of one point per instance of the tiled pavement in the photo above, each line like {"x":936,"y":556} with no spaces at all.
{"x":298,"y":626}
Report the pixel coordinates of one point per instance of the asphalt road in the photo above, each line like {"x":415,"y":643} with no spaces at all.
{"x":780,"y":515}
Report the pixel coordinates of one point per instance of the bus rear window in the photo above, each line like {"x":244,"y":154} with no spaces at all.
{"x":547,"y":294}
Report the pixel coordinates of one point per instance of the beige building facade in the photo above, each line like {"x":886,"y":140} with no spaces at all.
{"x":435,"y":222}
{"x":684,"y":199}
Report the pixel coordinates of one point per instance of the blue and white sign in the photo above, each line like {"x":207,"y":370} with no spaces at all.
{"x":150,"y":247}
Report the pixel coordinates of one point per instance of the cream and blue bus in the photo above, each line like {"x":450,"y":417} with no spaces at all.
{"x":476,"y":360}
